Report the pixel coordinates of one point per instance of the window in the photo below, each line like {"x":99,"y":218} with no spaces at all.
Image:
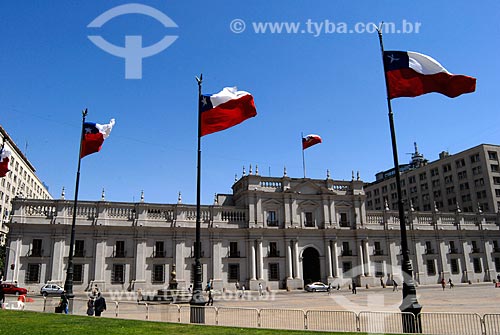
{"x":460,"y":162}
{"x":453,"y":249}
{"x":482,"y":194}
{"x":272,"y":221}
{"x":474,"y":158}
{"x":273,"y":250}
{"x":497,"y":264}
{"x":309,"y":219}
{"x":159,"y":249}
{"x":158,"y":273}
{"x":434,"y":172}
{"x":492,"y":155}
{"x":118,"y":274}
{"x":233,"y":250}
{"x":476,"y":170}
{"x":475,"y":249}
{"x":477,"y":265}
{"x":79,"y":248}
{"x":33,"y":273}
{"x":233,"y":275}
{"x":384,"y":189}
{"x":448,"y":179}
{"x":378,"y":249}
{"x":274,"y":271}
{"x":494,"y":168}
{"x":422,"y":176}
{"x":428,"y":248}
{"x":446,"y":168}
{"x":36,"y":250}
{"x":455,"y":269}
{"x":120,"y":249}
{"x":436,"y":183}
{"x":431,"y":267}
{"x":379,"y":269}
{"x":78,"y":273}
{"x":411,"y":180}
{"x":496,"y":181}
{"x":462,"y":175}
{"x":345,"y":249}
{"x":346,"y":268}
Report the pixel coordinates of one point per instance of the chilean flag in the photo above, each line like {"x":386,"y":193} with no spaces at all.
{"x":4,"y":162}
{"x":94,"y":135}
{"x":310,"y":140}
{"x":410,"y":74}
{"x":225,"y":109}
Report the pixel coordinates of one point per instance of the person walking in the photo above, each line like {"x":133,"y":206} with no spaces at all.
{"x":99,"y":304}
{"x":64,"y":302}
{"x":90,"y":306}
{"x":210,"y":301}
{"x":451,"y":283}
{"x":2,"y":298}
{"x":394,"y":285}
{"x":443,"y":283}
{"x":260,"y":290}
{"x":354,"y":291}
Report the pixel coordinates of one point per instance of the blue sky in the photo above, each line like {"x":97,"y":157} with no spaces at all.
{"x":326,"y":83}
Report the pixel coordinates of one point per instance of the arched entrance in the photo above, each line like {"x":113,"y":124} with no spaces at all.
{"x":310,"y":266}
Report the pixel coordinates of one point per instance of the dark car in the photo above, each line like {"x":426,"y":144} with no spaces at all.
{"x":317,"y":287}
{"x":13,"y":289}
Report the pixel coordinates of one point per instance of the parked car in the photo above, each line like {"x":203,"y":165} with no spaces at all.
{"x":51,"y":289}
{"x":317,"y":287}
{"x":13,"y":289}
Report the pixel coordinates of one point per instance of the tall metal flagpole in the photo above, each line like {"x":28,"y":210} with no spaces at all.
{"x":303,"y":159}
{"x":197,"y":300}
{"x":68,"y":284}
{"x":411,"y":324}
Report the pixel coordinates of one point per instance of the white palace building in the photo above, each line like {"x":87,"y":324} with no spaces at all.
{"x":282,"y":232}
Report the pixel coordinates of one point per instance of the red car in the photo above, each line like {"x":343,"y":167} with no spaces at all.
{"x":13,"y":289}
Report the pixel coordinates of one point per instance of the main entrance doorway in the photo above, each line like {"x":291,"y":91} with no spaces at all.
{"x":310,"y":266}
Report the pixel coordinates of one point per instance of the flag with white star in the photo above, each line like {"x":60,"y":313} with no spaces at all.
{"x":93,"y":137}
{"x":410,"y":74}
{"x":225,"y":109}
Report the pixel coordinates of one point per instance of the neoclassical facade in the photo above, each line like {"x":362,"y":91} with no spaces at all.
{"x":282,"y":232}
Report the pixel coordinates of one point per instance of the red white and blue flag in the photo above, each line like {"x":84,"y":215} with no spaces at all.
{"x":94,"y":135}
{"x":410,"y":74}
{"x":225,"y":109}
{"x":4,"y":162}
{"x":310,"y":140}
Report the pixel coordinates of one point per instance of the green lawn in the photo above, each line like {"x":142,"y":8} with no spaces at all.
{"x":23,"y":322}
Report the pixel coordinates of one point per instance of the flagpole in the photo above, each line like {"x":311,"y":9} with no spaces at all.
{"x":197,"y":299}
{"x":303,"y":159}
{"x":68,"y":284}
{"x":410,"y":303}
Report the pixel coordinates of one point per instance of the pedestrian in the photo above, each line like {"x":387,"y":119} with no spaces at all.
{"x":329,"y":289}
{"x":237,"y":285}
{"x":451,"y":283}
{"x":443,"y":283}
{"x":90,"y":306}
{"x":139,"y":295}
{"x":99,"y":304}
{"x":63,"y":303}
{"x":382,"y":282}
{"x":394,"y":285}
{"x":260,"y":290}
{"x":210,"y":301}
{"x":242,"y":293}
{"x":2,"y":298}
{"x":354,"y":291}
{"x":95,"y":290}
{"x":190,"y":288}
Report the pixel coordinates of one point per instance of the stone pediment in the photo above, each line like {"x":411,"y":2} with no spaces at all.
{"x":343,"y":203}
{"x":272,"y":202}
{"x":307,"y":187}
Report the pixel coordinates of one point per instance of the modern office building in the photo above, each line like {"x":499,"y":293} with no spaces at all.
{"x":281,"y":232}
{"x":21,"y":180}
{"x":468,"y":181}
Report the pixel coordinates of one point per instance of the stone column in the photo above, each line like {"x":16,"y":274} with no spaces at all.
{"x":443,"y":263}
{"x":253,"y":275}
{"x":260,"y":260}
{"x":336,"y":270}
{"x":289,"y":269}
{"x":296,"y":256}
{"x":180,"y":262}
{"x":361,"y":259}
{"x":58,"y":247}
{"x":367,"y":259}
{"x":140,"y":261}
{"x":100,"y":262}
{"x":328,"y":259}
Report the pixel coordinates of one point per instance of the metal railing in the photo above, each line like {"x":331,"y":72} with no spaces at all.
{"x":278,"y":318}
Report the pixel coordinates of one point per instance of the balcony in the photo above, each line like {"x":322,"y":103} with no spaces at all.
{"x":496,"y":249}
{"x":475,"y":250}
{"x":272,"y":223}
{"x":273,"y":253}
{"x":119,"y":254}
{"x":79,"y":253}
{"x":159,"y":254}
{"x":378,"y":252}
{"x":35,"y":253}
{"x":344,"y":224}
{"x":429,"y":251}
{"x":453,"y":250}
{"x":233,"y":254}
{"x":346,"y":252}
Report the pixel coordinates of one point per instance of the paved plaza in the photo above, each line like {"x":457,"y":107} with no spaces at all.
{"x":481,"y":298}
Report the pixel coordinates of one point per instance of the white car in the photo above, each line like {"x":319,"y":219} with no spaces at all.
{"x":317,"y":287}
{"x":51,"y":289}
